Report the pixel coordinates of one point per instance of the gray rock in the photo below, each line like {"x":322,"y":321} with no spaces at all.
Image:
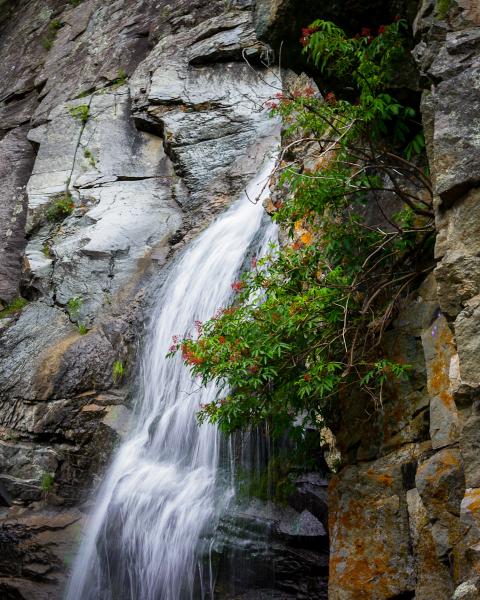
{"x":220,"y":111}
{"x":38,"y":333}
{"x":467,"y":333}
{"x":470,"y":447}
{"x":468,"y":590}
{"x":456,"y":148}
{"x":304,"y":527}
{"x":16,"y":158}
{"x":458,"y":273}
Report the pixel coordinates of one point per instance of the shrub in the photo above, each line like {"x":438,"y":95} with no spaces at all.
{"x":307,"y":321}
{"x":121,"y":78}
{"x":442,"y":8}
{"x":88,"y":154}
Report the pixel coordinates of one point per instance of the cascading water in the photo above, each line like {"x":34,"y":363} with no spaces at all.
{"x":162,"y":494}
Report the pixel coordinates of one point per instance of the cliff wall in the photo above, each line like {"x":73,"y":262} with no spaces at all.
{"x":124,"y":127}
{"x":404,"y":508}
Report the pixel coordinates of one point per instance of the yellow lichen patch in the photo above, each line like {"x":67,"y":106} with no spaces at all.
{"x":471,"y":500}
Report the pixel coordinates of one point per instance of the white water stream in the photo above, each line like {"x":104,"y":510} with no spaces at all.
{"x":162,"y":494}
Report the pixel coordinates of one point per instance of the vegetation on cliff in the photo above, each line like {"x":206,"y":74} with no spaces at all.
{"x":307,"y":321}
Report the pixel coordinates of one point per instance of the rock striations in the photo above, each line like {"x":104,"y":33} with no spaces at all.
{"x":125,"y":126}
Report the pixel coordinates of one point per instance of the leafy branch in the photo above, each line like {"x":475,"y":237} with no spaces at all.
{"x":307,"y":322}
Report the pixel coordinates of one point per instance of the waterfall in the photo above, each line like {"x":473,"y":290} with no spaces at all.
{"x":162,"y":494}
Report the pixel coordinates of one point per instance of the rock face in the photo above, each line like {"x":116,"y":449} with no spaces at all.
{"x":124,"y":128}
{"x":264,"y":550}
{"x":404,"y":508}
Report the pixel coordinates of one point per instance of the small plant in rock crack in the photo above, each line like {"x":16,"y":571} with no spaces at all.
{"x":52,"y":31}
{"x":118,"y":371}
{"x":61,"y":208}
{"x":88,"y":154}
{"x":46,"y":482}
{"x":80,"y":112}
{"x":74,"y":305}
{"x":46,"y":249}
{"x":13,"y":307}
{"x":82,"y":329}
{"x":120,"y":79}
{"x":75,"y":3}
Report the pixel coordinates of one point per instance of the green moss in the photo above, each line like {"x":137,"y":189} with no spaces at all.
{"x":61,"y":208}
{"x":82,"y":329}
{"x":80,"y":112}
{"x":75,"y":2}
{"x":274,"y":482}
{"x":46,"y":249}
{"x":13,"y":307}
{"x":442,"y":8}
{"x":118,"y":371}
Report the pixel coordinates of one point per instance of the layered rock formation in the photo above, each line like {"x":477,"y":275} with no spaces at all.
{"x":125,"y":127}
{"x":405,"y":511}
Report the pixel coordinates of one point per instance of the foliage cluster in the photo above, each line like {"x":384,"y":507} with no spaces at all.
{"x":88,"y":154}
{"x":13,"y":307}
{"x":46,"y":481}
{"x":61,"y":208}
{"x":74,"y":305}
{"x":118,"y":371}
{"x":305,"y":327}
{"x":52,"y":31}
{"x":120,"y":79}
{"x":80,"y":112}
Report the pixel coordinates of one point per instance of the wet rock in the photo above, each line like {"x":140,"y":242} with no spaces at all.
{"x":304,"y":528}
{"x":257,"y":551}
{"x":36,"y":547}
{"x":37,"y":330}
{"x":311,"y":494}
